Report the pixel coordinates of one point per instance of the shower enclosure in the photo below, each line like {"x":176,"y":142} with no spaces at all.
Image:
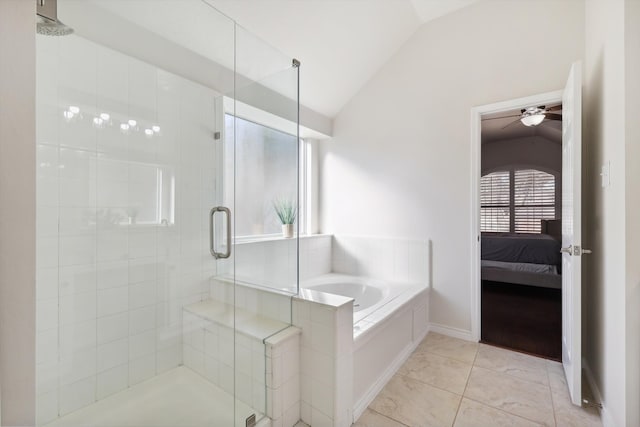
{"x":165,"y":133}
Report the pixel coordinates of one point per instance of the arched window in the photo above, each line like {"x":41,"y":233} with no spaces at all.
{"x":516,"y":200}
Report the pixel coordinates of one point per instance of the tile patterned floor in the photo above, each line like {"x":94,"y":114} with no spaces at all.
{"x":450,"y":382}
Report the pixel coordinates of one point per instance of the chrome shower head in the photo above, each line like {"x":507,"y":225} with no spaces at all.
{"x":47,"y":19}
{"x":47,"y":27}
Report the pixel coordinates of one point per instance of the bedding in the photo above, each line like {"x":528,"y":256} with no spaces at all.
{"x":524,"y":259}
{"x":521,"y":248}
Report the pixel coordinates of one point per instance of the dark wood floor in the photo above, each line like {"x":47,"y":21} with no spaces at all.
{"x":523,"y":318}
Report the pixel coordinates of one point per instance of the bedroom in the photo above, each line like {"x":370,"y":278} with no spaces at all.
{"x":520,"y":217}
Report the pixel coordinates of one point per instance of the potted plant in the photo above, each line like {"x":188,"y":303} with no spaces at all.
{"x":287,"y":212}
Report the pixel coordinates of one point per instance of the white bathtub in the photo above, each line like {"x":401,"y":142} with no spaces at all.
{"x":389,"y":321}
{"x":372,"y":298}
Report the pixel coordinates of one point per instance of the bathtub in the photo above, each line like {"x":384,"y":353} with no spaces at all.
{"x":372,"y":298}
{"x":389,"y":321}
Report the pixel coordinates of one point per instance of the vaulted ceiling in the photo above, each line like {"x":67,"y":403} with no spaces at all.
{"x":341,"y":43}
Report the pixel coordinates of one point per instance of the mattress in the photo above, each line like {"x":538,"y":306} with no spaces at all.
{"x":521,"y":266}
{"x":543,"y":280}
{"x":521,"y":248}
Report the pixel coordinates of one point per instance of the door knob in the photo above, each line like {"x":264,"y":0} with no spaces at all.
{"x":567,"y":250}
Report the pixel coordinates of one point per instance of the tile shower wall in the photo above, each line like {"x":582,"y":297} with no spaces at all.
{"x":261,"y":262}
{"x":126,"y":175}
{"x":326,"y":362}
{"x":208,"y":349}
{"x":283,"y":377}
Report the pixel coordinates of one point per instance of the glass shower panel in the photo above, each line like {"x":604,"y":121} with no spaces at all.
{"x":262,"y":148}
{"x":127,"y":164}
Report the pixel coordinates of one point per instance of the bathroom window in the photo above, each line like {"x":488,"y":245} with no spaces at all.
{"x":265,"y":170}
{"x":516,"y":200}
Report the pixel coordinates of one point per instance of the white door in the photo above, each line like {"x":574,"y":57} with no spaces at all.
{"x":571,"y":231}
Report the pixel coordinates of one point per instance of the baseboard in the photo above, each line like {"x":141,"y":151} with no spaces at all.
{"x":362,"y":404}
{"x":451,"y":332}
{"x":605,"y":416}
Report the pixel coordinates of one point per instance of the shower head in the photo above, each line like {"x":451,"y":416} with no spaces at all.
{"x":46,"y":27}
{"x":47,"y":19}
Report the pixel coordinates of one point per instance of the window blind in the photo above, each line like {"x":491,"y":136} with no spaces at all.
{"x":516,"y":200}
{"x":534,"y":199}
{"x":494,"y":202}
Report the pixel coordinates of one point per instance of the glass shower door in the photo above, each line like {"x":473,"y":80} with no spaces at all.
{"x":260,"y":169}
{"x":148,"y":117}
{"x":126,"y":175}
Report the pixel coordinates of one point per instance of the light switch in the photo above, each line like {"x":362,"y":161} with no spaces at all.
{"x":605,"y":175}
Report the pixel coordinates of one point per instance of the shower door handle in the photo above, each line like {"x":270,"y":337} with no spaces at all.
{"x":212,"y":233}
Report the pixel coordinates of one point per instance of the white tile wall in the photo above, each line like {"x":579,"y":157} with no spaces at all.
{"x":394,"y":260}
{"x":326,"y":362}
{"x":111,"y":279}
{"x":112,"y":381}
{"x":269,"y":304}
{"x":272,"y":263}
{"x":283,"y":377}
{"x":208,"y":349}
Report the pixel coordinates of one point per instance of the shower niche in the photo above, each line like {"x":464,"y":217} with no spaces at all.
{"x":137,"y":323}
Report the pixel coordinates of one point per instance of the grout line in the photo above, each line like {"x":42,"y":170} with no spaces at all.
{"x":427,"y":384}
{"x":512,"y":376}
{"x":387,"y":416}
{"x":515,"y":377}
{"x":427,"y":350}
{"x":544,"y":361}
{"x":466,"y":362}
{"x":466,"y":384}
{"x":553,"y":406}
{"x":506,"y":412}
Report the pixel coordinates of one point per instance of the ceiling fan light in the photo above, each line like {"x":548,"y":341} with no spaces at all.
{"x":532,"y":120}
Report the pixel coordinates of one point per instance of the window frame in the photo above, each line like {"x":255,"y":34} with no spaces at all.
{"x":304,"y":167}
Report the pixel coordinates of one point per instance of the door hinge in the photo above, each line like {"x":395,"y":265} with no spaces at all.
{"x":590,"y":404}
{"x":250,"y":421}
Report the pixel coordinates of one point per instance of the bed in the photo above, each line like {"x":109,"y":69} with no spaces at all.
{"x":523,"y":259}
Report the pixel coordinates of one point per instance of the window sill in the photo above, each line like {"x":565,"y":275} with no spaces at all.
{"x":273,"y":238}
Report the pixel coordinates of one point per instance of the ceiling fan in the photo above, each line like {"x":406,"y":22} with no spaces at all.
{"x":533,"y":116}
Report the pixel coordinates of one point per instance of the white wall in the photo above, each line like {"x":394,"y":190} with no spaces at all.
{"x":632,"y":173}
{"x":533,"y":151}
{"x":17,"y":212}
{"x":399,"y":162}
{"x":604,"y":141}
{"x":612,"y":133}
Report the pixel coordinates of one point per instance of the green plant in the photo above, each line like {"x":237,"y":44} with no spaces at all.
{"x":286,"y":211}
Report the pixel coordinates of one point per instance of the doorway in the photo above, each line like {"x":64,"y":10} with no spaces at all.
{"x":517,"y":210}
